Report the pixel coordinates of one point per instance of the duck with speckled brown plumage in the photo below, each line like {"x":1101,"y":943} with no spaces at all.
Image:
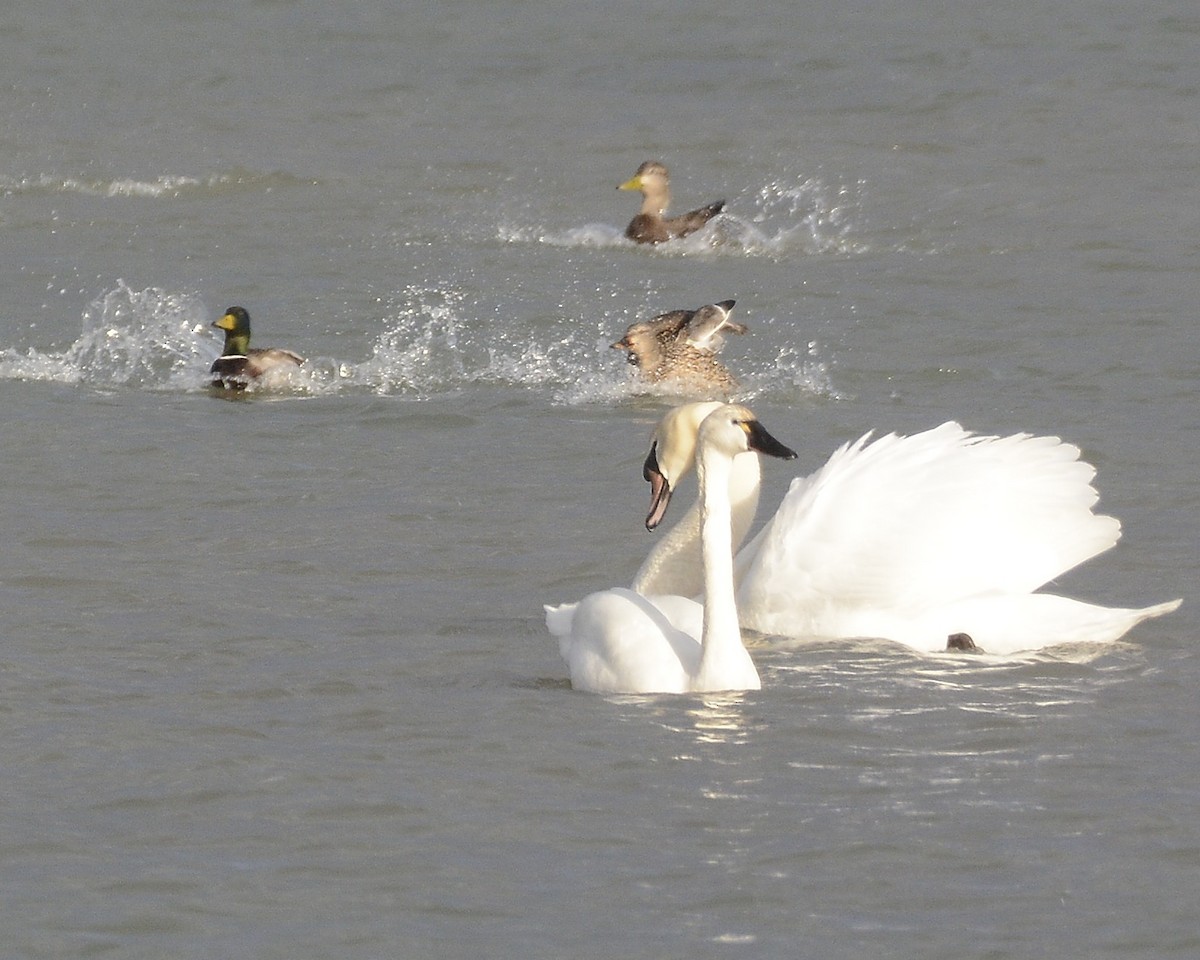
{"x":239,"y":364}
{"x":652,"y":225}
{"x":678,"y":348}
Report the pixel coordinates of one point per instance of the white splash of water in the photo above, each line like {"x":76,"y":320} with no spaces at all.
{"x":782,"y":219}
{"x":167,"y":185}
{"x":429,"y":341}
{"x":147,"y":338}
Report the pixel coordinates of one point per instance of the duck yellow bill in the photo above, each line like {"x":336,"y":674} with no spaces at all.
{"x":633,"y":183}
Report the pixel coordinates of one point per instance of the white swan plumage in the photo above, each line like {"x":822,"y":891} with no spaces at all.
{"x":905,"y":538}
{"x":619,"y":641}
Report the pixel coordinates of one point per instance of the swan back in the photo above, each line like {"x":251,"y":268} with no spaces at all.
{"x":915,"y":538}
{"x":617,"y":641}
{"x":914,"y":523}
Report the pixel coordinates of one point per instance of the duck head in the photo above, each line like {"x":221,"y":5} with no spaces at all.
{"x":642,"y":343}
{"x":236,"y":324}
{"x":652,"y":181}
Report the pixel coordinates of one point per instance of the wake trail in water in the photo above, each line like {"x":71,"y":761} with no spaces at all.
{"x":780,"y":220}
{"x":169,"y":186}
{"x":429,"y":342}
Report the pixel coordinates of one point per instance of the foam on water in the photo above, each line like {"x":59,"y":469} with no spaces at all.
{"x":780,"y":220}
{"x":428,"y":342}
{"x":148,"y":338}
{"x":165,"y":186}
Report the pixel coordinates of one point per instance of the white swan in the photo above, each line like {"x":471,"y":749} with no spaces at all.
{"x":618,"y":641}
{"x":909,"y":539}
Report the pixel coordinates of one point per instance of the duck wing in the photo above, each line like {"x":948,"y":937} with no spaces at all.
{"x":693,"y":220}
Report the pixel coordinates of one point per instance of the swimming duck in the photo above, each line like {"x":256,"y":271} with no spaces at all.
{"x":239,"y":363}
{"x":701,"y":328}
{"x":679,"y":346}
{"x":651,"y":225}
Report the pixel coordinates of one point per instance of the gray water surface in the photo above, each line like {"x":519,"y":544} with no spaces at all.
{"x":275,"y":681}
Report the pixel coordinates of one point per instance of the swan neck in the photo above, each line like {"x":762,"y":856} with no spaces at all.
{"x":674,"y":565}
{"x":721,"y":639}
{"x":745,"y":479}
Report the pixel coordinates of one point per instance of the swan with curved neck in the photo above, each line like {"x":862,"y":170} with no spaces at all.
{"x":618,"y":641}
{"x":673,"y":567}
{"x":905,"y":538}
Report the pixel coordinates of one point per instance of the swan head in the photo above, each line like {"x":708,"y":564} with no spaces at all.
{"x":733,"y":428}
{"x":672,"y":454}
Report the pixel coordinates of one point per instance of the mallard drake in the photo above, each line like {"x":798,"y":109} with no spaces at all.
{"x":239,"y":363}
{"x":651,"y":225}
{"x":680,"y":346}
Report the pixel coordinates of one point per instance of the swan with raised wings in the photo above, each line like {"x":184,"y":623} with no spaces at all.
{"x":618,"y":641}
{"x":910,"y":539}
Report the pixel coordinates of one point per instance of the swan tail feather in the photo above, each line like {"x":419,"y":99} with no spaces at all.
{"x":558,"y":618}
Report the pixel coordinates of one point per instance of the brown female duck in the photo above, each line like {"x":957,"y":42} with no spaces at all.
{"x":679,"y":347}
{"x":652,"y":225}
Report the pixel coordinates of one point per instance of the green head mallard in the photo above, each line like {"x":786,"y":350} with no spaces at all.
{"x":239,"y":363}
